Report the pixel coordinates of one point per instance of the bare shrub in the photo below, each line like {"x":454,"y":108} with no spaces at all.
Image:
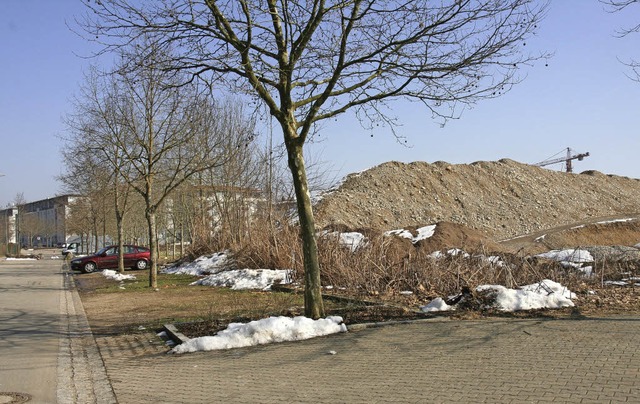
{"x":384,"y":266}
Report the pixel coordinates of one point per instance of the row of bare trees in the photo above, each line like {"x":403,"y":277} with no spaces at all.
{"x":146,"y":142}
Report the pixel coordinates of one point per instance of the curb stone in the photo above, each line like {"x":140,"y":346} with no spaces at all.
{"x":82,"y":377}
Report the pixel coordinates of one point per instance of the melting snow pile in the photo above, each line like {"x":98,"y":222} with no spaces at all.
{"x":355,"y":240}
{"x":265,"y":331}
{"x":571,"y":258}
{"x":217,"y":269}
{"x":116,"y":276}
{"x":202,"y":265}
{"x":634,"y":280}
{"x":570,"y":255}
{"x":351,"y":240}
{"x":238,"y":279}
{"x":423,"y":233}
{"x":546,"y":294}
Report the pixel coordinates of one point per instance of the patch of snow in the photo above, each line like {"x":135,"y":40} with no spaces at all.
{"x":239,"y":279}
{"x":265,"y":331}
{"x":20,"y":259}
{"x":569,"y":255}
{"x":351,"y":240}
{"x":615,"y":283}
{"x":400,"y":233}
{"x":544,"y":294}
{"x":202,"y":265}
{"x":437,"y":304}
{"x":587,"y":270}
{"x":617,"y":220}
{"x":539,"y":239}
{"x":116,"y":276}
{"x":423,"y":233}
{"x":493,"y":260}
{"x":454,"y":252}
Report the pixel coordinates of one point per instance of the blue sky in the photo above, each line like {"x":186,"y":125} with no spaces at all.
{"x":582,"y":100}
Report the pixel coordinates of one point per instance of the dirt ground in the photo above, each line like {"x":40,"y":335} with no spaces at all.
{"x":112,"y":310}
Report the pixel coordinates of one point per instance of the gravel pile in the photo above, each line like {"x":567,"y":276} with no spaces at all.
{"x":502,"y":199}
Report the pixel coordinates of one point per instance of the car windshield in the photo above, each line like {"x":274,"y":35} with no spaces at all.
{"x":103,"y":250}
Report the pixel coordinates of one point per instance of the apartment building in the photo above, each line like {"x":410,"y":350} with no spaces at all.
{"x":37,"y":224}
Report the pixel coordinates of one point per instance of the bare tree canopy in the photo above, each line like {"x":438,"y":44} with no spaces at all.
{"x":312,"y":60}
{"x":322,"y":58}
{"x":621,"y":6}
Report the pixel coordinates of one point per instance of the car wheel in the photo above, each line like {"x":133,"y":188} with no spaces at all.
{"x":142,"y":264}
{"x":89,"y":267}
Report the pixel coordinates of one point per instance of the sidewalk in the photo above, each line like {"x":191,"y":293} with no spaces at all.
{"x":593,"y":360}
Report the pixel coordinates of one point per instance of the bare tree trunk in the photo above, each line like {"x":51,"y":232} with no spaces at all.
{"x":313,"y":305}
{"x":120,"y":241}
{"x":153,"y":247}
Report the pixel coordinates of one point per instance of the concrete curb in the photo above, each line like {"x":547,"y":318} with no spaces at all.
{"x":175,"y":335}
{"x":82,"y":376}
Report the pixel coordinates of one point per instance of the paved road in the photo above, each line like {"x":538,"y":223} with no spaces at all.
{"x":29,"y":329}
{"x":513,"y":361}
{"x":577,"y":361}
{"x":47,"y":352}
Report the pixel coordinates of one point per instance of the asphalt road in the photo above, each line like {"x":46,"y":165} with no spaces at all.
{"x":30,"y":328}
{"x":47,"y":352}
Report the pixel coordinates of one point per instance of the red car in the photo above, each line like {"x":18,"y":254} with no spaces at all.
{"x":135,"y":257}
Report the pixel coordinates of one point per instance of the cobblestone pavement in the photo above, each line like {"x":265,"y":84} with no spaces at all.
{"x":589,"y":360}
{"x":82,"y":377}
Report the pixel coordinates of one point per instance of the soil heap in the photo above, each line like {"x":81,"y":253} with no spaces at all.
{"x":502,"y":199}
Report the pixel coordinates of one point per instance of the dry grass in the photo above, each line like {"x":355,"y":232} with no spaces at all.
{"x":387,"y":266}
{"x":377,"y":272}
{"x":114,"y":310}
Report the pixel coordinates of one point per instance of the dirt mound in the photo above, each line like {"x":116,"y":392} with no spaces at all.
{"x":453,"y":235}
{"x":502,"y":199}
{"x":615,"y":233}
{"x":619,"y":231}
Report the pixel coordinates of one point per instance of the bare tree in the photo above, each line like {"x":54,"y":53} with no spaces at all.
{"x":172,"y":133}
{"x":87,"y":173}
{"x":96,"y":130}
{"x":308,"y":61}
{"x":618,"y":6}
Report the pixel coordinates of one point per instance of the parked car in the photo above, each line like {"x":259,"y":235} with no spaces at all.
{"x":135,"y":257}
{"x":72,"y":249}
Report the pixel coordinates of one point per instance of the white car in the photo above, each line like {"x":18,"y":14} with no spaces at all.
{"x":71,"y":248}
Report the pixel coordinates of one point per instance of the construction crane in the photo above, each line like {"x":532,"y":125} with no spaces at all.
{"x":566,"y":160}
